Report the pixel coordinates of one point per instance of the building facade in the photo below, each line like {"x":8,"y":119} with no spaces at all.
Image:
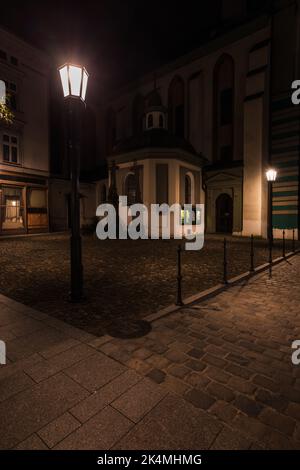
{"x":200,"y":130}
{"x":230,"y":100}
{"x":24,"y":149}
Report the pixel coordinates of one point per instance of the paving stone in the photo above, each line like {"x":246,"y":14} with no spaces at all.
{"x":240,"y":385}
{"x":297,"y":433}
{"x":239,"y":371}
{"x":95,"y":371}
{"x":283,"y":423}
{"x":214,"y":361}
{"x":223,"y":410}
{"x":175,"y":385}
{"x":98,"y":342}
{"x":158,"y":348}
{"x":240,"y":360}
{"x":139,"y":400}
{"x":142,"y":353}
{"x":139,"y":366}
{"x":217,"y":374}
{"x":12,"y":368}
{"x":178,"y":371}
{"x":175,"y":356}
{"x":199,"y":399}
{"x":100,"y":432}
{"x":195,"y":365}
{"x":32,"y":443}
{"x":148,"y":434}
{"x":274,"y":400}
{"x":276,"y":441}
{"x":25,"y":346}
{"x":30,"y":410}
{"x":293,"y":410}
{"x":105,"y":395}
{"x":230,"y":440}
{"x":267,"y":383}
{"x":44,"y":369}
{"x":59,"y":348}
{"x":247,"y":405}
{"x":157,"y":375}
{"x":14,"y":384}
{"x":197,"y":380}
{"x":220,"y":392}
{"x":290,"y":393}
{"x":250,"y":426}
{"x":197,"y":429}
{"x":58,"y":429}
{"x":160,"y":362}
{"x":195,"y":353}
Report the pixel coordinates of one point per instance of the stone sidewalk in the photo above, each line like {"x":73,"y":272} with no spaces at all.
{"x":217,"y":375}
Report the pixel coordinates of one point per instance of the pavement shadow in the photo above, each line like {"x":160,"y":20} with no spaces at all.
{"x":129,"y":329}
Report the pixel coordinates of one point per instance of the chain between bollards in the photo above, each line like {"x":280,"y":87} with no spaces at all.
{"x":283,"y":243}
{"x":225,"y":280}
{"x":252,"y":254}
{"x":179,"y":301}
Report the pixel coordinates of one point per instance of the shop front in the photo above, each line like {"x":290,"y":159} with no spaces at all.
{"x":23,"y":206}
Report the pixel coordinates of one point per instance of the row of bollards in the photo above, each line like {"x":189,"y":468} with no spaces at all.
{"x":179,"y":300}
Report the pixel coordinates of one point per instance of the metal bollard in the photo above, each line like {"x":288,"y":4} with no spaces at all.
{"x":179,"y":301}
{"x":283,"y":243}
{"x":252,"y":254}
{"x":225,"y":280}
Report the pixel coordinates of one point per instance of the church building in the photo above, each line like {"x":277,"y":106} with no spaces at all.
{"x":207,"y":127}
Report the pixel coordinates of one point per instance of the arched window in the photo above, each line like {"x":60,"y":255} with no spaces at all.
{"x":187,"y":190}
{"x":176,"y":106}
{"x":130,"y":188}
{"x":161,"y":121}
{"x":224,"y":109}
{"x":150,"y":121}
{"x":137,"y":114}
{"x":110,"y":130}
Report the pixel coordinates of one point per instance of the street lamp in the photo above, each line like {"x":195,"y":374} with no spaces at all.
{"x":74,"y":81}
{"x":271,"y":175}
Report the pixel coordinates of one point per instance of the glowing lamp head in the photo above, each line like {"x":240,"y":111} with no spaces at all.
{"x":271,"y":175}
{"x":74,"y":79}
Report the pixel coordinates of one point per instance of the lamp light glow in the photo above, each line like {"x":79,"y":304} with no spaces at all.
{"x":271,"y":175}
{"x":74,"y":79}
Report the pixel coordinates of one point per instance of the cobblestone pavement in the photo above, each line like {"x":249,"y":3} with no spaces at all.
{"x":217,"y":375}
{"x":230,"y":356}
{"x":124,"y":280}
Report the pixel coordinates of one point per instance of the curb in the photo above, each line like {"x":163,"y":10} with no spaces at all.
{"x":217,"y":289}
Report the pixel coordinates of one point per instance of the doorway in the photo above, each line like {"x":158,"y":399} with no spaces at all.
{"x":224,"y":214}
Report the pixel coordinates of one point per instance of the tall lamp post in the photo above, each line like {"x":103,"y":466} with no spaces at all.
{"x":271,"y":175}
{"x":74,"y":81}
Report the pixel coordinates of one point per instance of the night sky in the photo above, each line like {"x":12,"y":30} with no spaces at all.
{"x":118,"y":39}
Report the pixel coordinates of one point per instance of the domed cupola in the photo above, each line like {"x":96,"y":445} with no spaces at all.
{"x":155,"y":116}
